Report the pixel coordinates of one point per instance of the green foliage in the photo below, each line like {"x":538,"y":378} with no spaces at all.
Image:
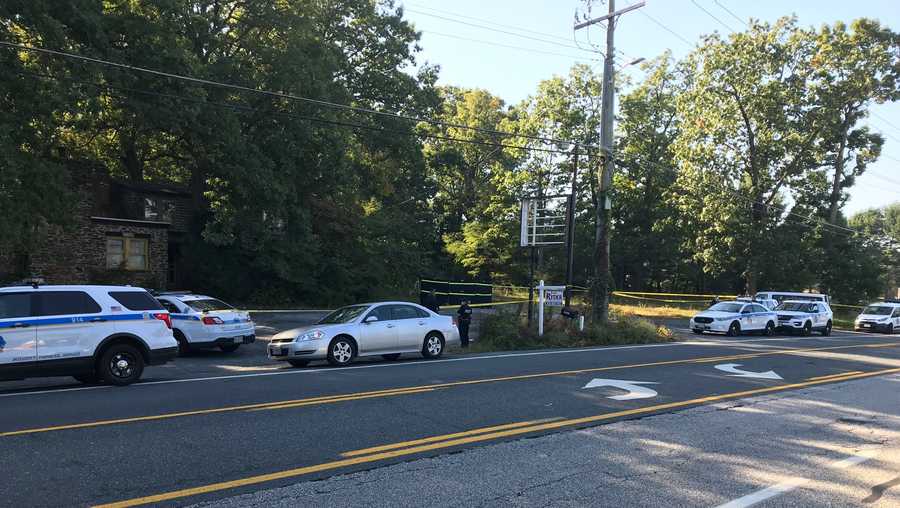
{"x":505,"y":331}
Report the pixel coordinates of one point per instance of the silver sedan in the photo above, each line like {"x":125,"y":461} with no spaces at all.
{"x":388,"y":329}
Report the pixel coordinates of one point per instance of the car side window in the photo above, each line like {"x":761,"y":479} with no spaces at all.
{"x":59,"y":303}
{"x":403,"y":312}
{"x":171,"y":307}
{"x":747,"y":309}
{"x":15,"y":305}
{"x":422,"y":313}
{"x":383,"y":313}
{"x":896,"y":312}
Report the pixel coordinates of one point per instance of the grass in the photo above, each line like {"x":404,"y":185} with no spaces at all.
{"x":505,"y":331}
{"x":652,"y":312}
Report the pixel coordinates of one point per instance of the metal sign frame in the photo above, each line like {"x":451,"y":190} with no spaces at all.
{"x":542,"y":225}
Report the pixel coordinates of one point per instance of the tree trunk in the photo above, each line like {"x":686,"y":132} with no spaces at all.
{"x":134,"y":168}
{"x":835,"y":199}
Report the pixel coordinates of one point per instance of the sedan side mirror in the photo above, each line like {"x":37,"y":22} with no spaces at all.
{"x":370,"y":319}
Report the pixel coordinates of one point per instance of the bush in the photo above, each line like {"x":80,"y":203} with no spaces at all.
{"x":506,"y":331}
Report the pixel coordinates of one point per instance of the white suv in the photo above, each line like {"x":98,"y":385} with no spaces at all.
{"x":205,"y":322}
{"x":94,"y":333}
{"x":804,"y":316}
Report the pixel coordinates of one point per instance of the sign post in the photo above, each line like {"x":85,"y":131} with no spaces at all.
{"x":552,"y":296}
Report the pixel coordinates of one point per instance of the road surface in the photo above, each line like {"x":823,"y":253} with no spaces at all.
{"x":181,"y":437}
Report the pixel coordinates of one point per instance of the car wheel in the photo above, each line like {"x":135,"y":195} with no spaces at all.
{"x":120,"y":365}
{"x":827,"y":330}
{"x":433,"y":347}
{"x":184,"y":347}
{"x":341,"y":351}
{"x":391,"y":357}
{"x":807,"y":329}
{"x":229,"y":348}
{"x":770,"y":329}
{"x":88,"y":379}
{"x":734,"y":329}
{"x":298,"y":363}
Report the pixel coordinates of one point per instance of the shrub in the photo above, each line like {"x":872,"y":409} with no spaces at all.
{"x":505,"y":331}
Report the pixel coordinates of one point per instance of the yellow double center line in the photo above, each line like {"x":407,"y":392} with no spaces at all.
{"x":287,"y":404}
{"x":405,"y":448}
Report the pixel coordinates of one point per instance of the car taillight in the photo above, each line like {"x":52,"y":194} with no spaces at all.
{"x":212,"y":320}
{"x":455,"y":323}
{"x":164,"y":317}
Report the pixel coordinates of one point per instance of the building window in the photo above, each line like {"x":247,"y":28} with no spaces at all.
{"x":159,"y":209}
{"x":127,"y":253}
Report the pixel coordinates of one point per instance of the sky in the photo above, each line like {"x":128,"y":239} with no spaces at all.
{"x":509,"y":46}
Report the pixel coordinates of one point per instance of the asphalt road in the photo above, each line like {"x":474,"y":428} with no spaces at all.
{"x":180,"y":438}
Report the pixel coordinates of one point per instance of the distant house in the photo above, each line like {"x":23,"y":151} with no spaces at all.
{"x":122,"y":233}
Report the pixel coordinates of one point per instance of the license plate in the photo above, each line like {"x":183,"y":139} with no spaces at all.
{"x":238,"y":340}
{"x":704,"y":327}
{"x":864,"y":326}
{"x":277,"y":352}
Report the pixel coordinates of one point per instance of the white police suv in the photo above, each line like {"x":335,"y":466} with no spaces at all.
{"x":94,"y":333}
{"x":205,"y":322}
{"x":734,"y":318}
{"x":804,"y":316}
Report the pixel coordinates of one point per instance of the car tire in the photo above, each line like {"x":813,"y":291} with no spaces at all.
{"x":770,"y":329}
{"x":827,"y":330}
{"x":433,"y":346}
{"x":806,"y":330}
{"x":120,"y":365}
{"x":184,"y":347}
{"x":341,"y":351}
{"x":229,"y":348}
{"x":298,"y":363}
{"x":88,"y":379}
{"x":734,"y":330}
{"x":391,"y":357}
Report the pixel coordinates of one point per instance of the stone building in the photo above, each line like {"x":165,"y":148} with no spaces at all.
{"x":121,"y":233}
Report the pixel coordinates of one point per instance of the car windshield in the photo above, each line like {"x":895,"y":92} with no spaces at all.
{"x":727,"y":307}
{"x":208,"y":304}
{"x":878,"y":310}
{"x":796,"y":306}
{"x":343,"y":315}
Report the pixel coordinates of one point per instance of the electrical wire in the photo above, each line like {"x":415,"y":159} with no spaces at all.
{"x":733,"y":15}
{"x":712,"y":15}
{"x":250,"y":109}
{"x":280,"y":95}
{"x":666,"y":28}
{"x":501,"y":45}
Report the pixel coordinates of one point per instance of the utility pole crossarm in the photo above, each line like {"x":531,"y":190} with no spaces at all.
{"x":619,"y":12}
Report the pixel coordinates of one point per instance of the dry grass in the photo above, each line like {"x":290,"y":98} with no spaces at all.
{"x":652,"y":312}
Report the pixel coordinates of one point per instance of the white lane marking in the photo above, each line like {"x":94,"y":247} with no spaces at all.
{"x":794,"y":482}
{"x":635,"y":391}
{"x":733,"y":369}
{"x":287,"y":372}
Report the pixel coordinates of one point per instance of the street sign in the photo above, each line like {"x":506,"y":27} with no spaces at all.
{"x":553,"y":297}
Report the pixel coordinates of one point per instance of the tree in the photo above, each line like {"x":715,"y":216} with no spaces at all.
{"x":749,"y":132}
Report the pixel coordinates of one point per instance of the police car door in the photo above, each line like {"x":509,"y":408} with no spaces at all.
{"x":895,"y":317}
{"x":17,"y":331}
{"x":72,"y":325}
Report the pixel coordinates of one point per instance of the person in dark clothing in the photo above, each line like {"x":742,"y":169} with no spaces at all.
{"x":714,"y":301}
{"x":430,"y":301}
{"x":464,"y":318}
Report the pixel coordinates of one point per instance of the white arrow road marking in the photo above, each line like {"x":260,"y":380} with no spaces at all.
{"x":736,"y":372}
{"x":793,"y":482}
{"x":632,"y":387}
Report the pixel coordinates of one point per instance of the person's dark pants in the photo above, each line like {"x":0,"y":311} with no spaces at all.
{"x":464,"y":333}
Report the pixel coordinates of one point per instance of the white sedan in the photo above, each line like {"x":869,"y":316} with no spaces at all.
{"x":388,"y":329}
{"x":733,"y":318}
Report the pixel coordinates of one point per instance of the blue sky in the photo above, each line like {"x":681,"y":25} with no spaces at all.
{"x":489,"y":56}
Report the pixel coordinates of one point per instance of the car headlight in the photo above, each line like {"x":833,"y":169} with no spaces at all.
{"x":311,"y":335}
{"x":884,"y":320}
{"x":722,"y":318}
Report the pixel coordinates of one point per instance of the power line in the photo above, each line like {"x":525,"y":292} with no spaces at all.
{"x":733,"y":15}
{"x":281,"y":95}
{"x":501,"y":45}
{"x":883,"y":119}
{"x":250,"y":109}
{"x":712,"y":15}
{"x":666,"y":28}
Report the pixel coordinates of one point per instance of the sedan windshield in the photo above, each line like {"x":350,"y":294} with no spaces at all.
{"x":208,"y":304}
{"x":878,"y":310}
{"x":727,"y":307}
{"x":796,"y":306}
{"x":343,"y":315}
